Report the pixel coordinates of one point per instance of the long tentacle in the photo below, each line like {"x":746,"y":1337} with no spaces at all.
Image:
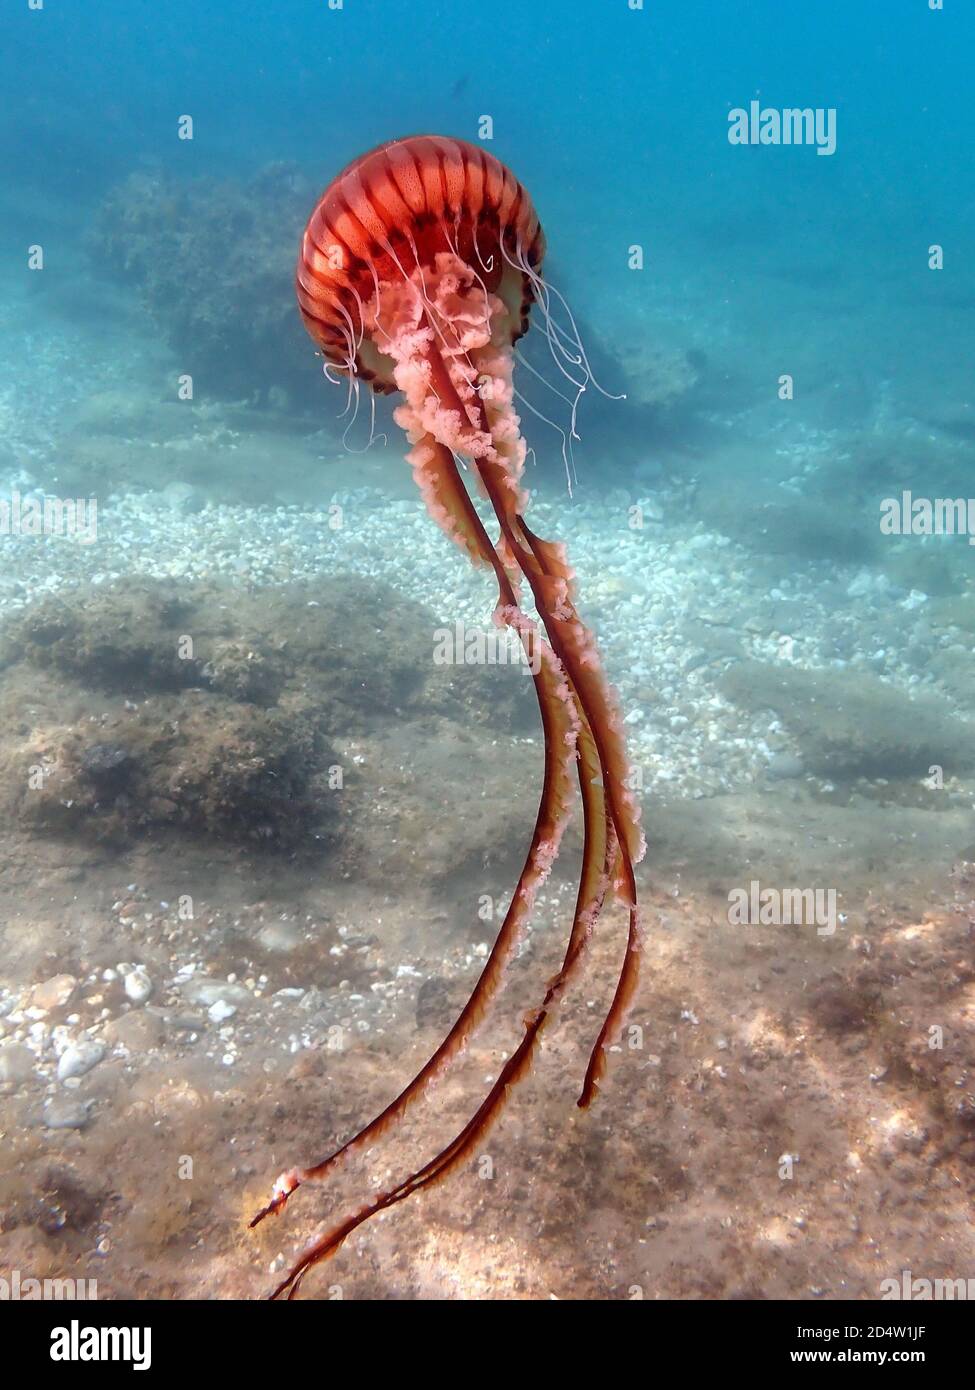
{"x":579,"y":720}
{"x":449,"y":500}
{"x":493,"y":447}
{"x":630,"y":968}
{"x":598,"y":853}
{"x":573,"y":645}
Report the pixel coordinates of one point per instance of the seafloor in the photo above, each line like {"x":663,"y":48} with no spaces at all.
{"x":211,"y":952}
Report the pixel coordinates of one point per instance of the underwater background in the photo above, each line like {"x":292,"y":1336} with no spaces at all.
{"x":258,"y":839}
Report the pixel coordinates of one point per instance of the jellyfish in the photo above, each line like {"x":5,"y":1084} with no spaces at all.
{"x":417,"y":272}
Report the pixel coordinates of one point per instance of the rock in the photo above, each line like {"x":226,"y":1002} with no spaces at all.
{"x":16,"y":1063}
{"x":54,"y":993}
{"x":695,"y":661}
{"x":234,"y":737}
{"x":867,"y":584}
{"x":925,"y":568}
{"x":711,"y":640}
{"x":797,"y":526}
{"x":954,"y":612}
{"x":138,"y":985}
{"x":651,"y":509}
{"x":210,"y":992}
{"x":182,"y":497}
{"x":241,"y":671}
{"x":220,"y":1011}
{"x":435,"y":1003}
{"x":848,"y":724}
{"x":137,"y":1031}
{"x":79,"y":1058}
{"x":186,"y":1023}
{"x":782,"y":766}
{"x":307,"y":1064}
{"x":108,"y":765}
{"x":499,"y":697}
{"x":153,"y":231}
{"x":279,"y":936}
{"x":64,"y":1112}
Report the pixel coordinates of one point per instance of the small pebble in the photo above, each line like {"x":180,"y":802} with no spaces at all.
{"x":54,"y":993}
{"x":65,"y":1113}
{"x":138,"y":986}
{"x":79,"y":1058}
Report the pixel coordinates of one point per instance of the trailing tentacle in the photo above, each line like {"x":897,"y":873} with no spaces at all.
{"x":598,"y":851}
{"x":550,"y":556}
{"x":444,"y":488}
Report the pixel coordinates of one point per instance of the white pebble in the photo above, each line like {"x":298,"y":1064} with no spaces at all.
{"x":138,"y":986}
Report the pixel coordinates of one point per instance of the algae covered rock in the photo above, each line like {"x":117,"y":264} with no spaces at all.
{"x":213,"y":261}
{"x":122,"y":636}
{"x":853,"y":725}
{"x":293,"y":716}
{"x":358,"y":644}
{"x":191,"y":761}
{"x":805,"y":527}
{"x":929,"y":569}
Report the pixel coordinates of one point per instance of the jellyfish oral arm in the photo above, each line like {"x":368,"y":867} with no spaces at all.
{"x":449,"y":502}
{"x":567,"y":740}
{"x":484,"y":427}
{"x":445,"y":351}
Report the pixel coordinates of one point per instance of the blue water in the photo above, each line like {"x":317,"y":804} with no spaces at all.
{"x":616,"y":120}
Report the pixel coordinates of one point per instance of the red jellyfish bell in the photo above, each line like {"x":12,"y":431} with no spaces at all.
{"x":417,"y":272}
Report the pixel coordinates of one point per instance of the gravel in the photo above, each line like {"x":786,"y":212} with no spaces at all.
{"x":652,"y":601}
